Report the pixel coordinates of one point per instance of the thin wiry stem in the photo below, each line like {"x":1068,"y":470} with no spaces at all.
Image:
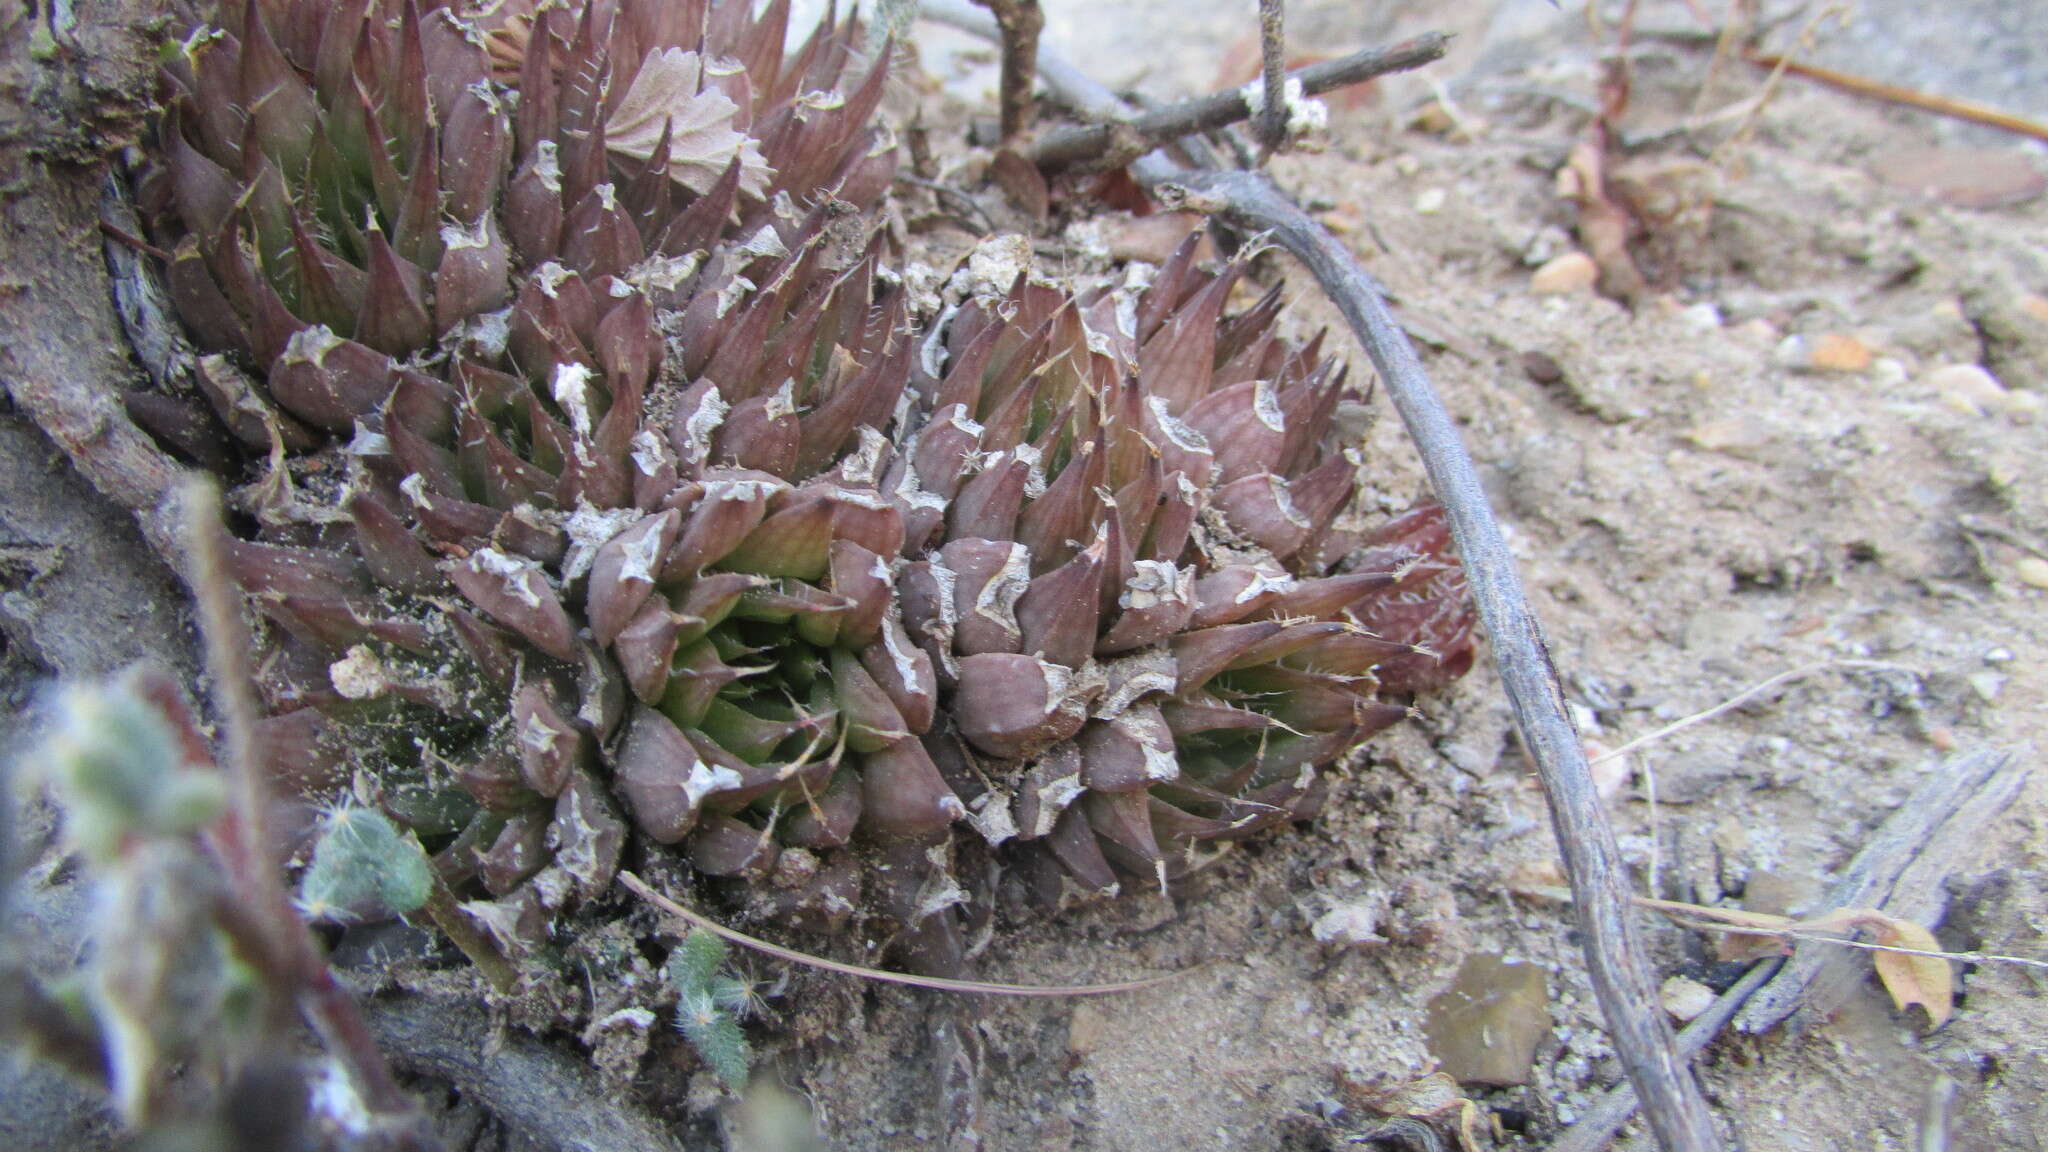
{"x":643,"y":890}
{"x":1737,"y":700}
{"x":227,"y":646}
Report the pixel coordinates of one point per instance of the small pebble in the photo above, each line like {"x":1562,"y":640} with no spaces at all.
{"x":1986,"y":685}
{"x":1352,"y":922}
{"x":1968,"y":388}
{"x":1735,"y":435}
{"x":1571,"y":272}
{"x":2034,"y":306}
{"x":1999,"y":656}
{"x":1547,"y":243}
{"x":2033,"y":570}
{"x":1431,"y":201}
{"x":1757,"y":330}
{"x":1835,"y":352}
{"x":1086,"y":1030}
{"x":1685,"y":998}
{"x":1943,"y":739}
{"x":1542,"y":367}
{"x":1701,"y":317}
{"x":1827,"y":352}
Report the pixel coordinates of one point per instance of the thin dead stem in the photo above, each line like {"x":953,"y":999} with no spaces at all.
{"x":1894,"y":94}
{"x":253,"y":872}
{"x":646,"y":892}
{"x":1273,"y":60}
{"x":1743,"y":697}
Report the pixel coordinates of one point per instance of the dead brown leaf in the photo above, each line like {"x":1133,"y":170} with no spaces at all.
{"x":669,"y":92}
{"x":1435,"y":1100}
{"x":1928,"y":981}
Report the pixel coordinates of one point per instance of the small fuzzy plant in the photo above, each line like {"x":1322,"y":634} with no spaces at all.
{"x":194,"y":972}
{"x":710,"y":1002}
{"x":364,"y":868}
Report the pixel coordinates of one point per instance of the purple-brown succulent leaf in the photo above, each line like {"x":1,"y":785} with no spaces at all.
{"x":550,"y":747}
{"x":725,"y":846}
{"x":587,"y":835}
{"x":1156,"y":602}
{"x":623,"y":573}
{"x":1073,"y":843}
{"x":518,"y":851}
{"x":1010,"y":705}
{"x":646,"y":647}
{"x":663,"y":779}
{"x":1260,"y":508}
{"x":869,"y":719}
{"x":494,"y":779}
{"x":517,"y":923}
{"x":903,"y":794}
{"x":389,"y":549}
{"x":794,"y":542}
{"x":1132,"y":751}
{"x":513,"y":591}
{"x":329,"y":381}
{"x":1203,"y":653}
{"x":1057,"y":614}
{"x":1122,"y":822}
{"x":394,"y":320}
{"x":1237,"y":592}
{"x":861,"y":576}
{"x":1245,"y":425}
{"x":828,"y":818}
{"x":1050,"y":784}
{"x":987,"y":578}
{"x":905,"y":672}
{"x":726,"y":513}
{"x":474,"y":275}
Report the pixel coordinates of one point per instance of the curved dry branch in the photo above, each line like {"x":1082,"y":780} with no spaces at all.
{"x":1090,"y":143}
{"x":1614,"y":960}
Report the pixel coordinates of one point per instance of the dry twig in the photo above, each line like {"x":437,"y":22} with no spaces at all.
{"x":1596,"y":1128}
{"x":1894,"y":94}
{"x":1737,"y":700}
{"x":1273,"y":68}
{"x":1131,"y":134}
{"x":1020,"y":22}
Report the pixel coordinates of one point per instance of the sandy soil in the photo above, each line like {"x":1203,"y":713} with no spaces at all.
{"x":1697,"y":506}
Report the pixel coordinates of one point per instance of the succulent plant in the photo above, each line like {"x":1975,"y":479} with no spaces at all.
{"x":618,"y":485}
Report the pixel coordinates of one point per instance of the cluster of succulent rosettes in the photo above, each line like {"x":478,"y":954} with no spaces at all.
{"x":345,"y":188}
{"x":663,"y":490}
